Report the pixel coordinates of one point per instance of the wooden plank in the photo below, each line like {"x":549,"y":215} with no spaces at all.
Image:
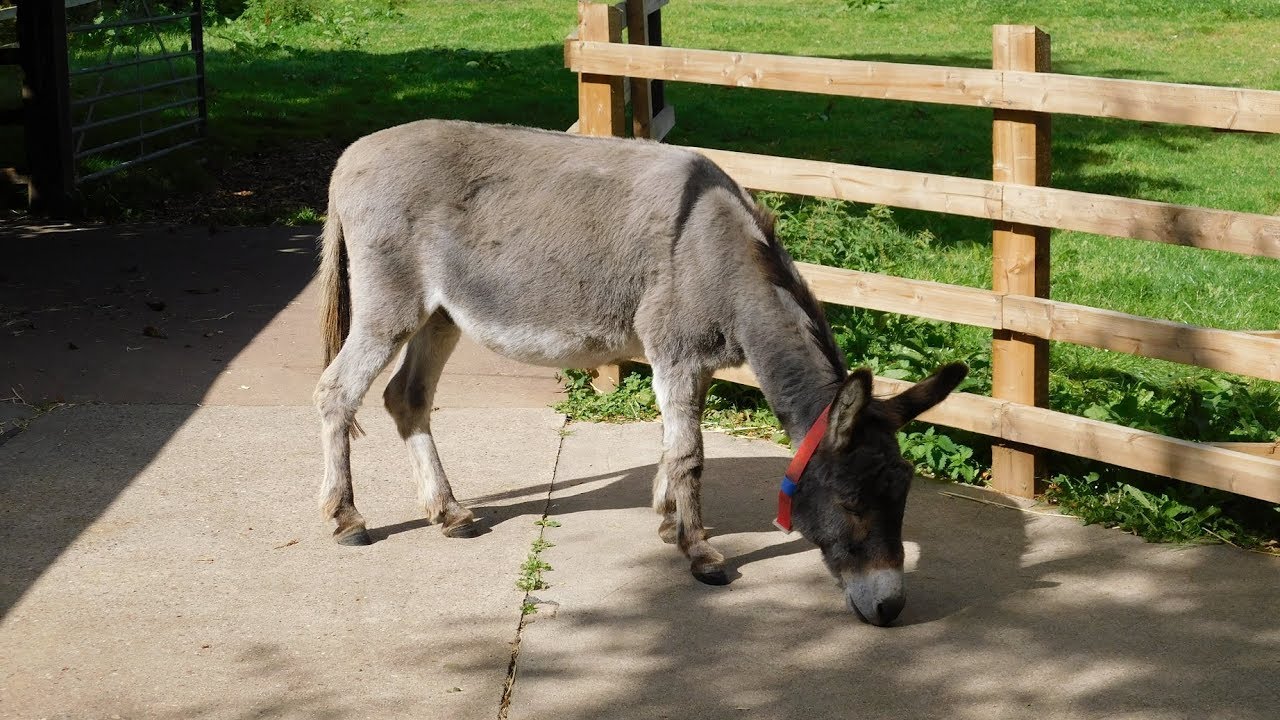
{"x":600,"y":102}
{"x":1253,"y":474}
{"x":850,"y":78}
{"x":1261,"y":449}
{"x":601,"y":112}
{"x":1241,"y":233}
{"x":1244,"y":474}
{"x":921,"y":298}
{"x":607,"y":378}
{"x":650,"y":117}
{"x":1201,"y":105}
{"x":662,"y":123}
{"x":860,"y":183}
{"x":1245,"y":353}
{"x":1020,"y":256}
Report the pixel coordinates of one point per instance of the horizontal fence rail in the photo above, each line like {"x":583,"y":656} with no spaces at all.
{"x":1019,"y":204}
{"x":1224,"y":468}
{"x":1237,"y":232}
{"x":1148,"y":101}
{"x":1239,"y":352}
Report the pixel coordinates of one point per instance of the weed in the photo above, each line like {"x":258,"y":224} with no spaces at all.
{"x":531,"y":573}
{"x":304,"y":216}
{"x":1169,"y":514}
{"x":633,"y":400}
{"x":547,"y":523}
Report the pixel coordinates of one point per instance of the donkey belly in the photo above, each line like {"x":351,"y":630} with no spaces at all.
{"x":566,"y":343}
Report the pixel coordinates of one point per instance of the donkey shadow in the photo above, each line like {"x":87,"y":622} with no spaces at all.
{"x":961,"y":554}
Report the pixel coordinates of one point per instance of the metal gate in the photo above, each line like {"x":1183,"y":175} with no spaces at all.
{"x":108,"y":84}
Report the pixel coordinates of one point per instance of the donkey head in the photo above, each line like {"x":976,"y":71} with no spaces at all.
{"x":854,"y":492}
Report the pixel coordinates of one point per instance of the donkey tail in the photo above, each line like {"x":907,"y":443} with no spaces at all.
{"x":335,"y":289}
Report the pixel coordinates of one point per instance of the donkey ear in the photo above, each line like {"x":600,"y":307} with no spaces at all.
{"x":925,"y":394}
{"x":851,"y":400}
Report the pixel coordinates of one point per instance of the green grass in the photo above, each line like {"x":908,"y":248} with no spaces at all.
{"x":292,"y":72}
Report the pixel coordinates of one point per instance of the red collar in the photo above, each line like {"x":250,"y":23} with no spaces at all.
{"x":796,"y":469}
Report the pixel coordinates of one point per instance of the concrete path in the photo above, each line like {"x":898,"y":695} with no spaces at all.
{"x":161,"y":555}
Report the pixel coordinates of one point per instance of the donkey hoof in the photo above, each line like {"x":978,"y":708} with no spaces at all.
{"x":465,"y":530}
{"x":668,"y":531}
{"x":355,"y":536}
{"x":711,"y":574}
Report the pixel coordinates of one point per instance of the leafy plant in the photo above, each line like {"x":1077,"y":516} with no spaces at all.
{"x":531,"y":573}
{"x":633,"y":400}
{"x":870,"y":5}
{"x":939,"y":456}
{"x":1169,"y":514}
{"x":532,"y":569}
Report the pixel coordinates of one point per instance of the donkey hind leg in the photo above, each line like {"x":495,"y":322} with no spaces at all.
{"x":408,"y":398}
{"x":681,"y":395}
{"x":366,"y":351}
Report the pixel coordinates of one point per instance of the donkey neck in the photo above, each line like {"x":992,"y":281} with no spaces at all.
{"x":795,"y":374}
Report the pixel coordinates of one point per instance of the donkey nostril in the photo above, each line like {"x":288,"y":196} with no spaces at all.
{"x":887,"y":610}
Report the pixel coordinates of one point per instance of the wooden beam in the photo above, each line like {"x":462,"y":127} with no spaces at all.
{"x":851,"y":78}
{"x":601,"y":112}
{"x":1019,"y":256}
{"x":1217,"y":465}
{"x":1223,"y":230}
{"x":1197,"y":463}
{"x":662,"y":123}
{"x":1245,"y":353}
{"x":1261,"y":449}
{"x":642,"y":110}
{"x":921,"y":298}
{"x":1180,"y":104}
{"x":1200,"y":105}
{"x":1242,"y":233}
{"x":600,"y":100}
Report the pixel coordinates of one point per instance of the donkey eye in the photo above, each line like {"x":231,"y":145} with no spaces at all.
{"x":849,"y":507}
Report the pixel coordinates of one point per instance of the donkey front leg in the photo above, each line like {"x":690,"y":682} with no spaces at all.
{"x":678,"y":486}
{"x":408,"y":398}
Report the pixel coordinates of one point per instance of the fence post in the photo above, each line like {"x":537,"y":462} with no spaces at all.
{"x":1020,"y":255}
{"x":600,"y":101}
{"x":651,"y":116}
{"x":601,"y":113}
{"x":42,"y":43}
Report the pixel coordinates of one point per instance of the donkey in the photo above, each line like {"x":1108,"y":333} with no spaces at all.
{"x":569,"y":251}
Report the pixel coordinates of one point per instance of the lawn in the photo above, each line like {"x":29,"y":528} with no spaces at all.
{"x":293,"y":81}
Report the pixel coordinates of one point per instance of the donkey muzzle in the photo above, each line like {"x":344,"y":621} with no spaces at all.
{"x":877,"y":596}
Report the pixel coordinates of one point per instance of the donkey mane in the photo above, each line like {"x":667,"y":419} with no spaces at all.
{"x":773,"y":261}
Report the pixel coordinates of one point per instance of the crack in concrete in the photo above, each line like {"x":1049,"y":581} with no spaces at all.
{"x":508,"y":686}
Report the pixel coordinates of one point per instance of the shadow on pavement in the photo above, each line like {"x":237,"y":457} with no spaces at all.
{"x":124,"y":315}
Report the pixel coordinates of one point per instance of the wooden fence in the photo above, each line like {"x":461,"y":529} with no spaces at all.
{"x":1023,"y":94}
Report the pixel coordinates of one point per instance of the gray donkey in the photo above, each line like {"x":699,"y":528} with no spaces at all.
{"x":569,"y":251}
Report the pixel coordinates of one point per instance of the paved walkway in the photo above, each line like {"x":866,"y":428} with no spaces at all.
{"x":161,"y":557}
